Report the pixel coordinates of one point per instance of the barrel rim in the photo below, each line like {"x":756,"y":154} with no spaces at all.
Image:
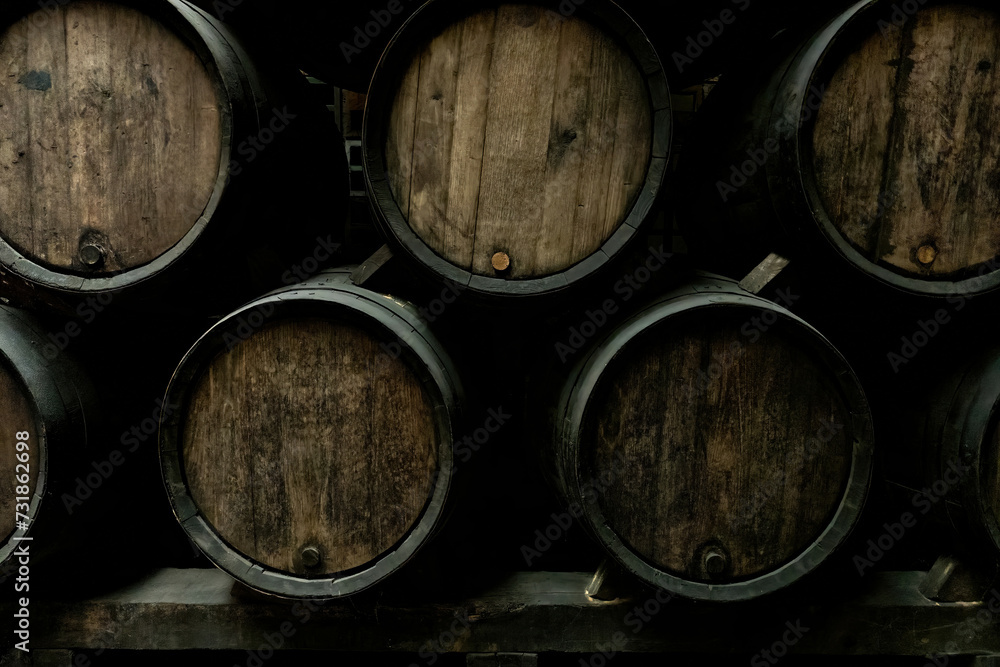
{"x":813,"y":67}
{"x":420,"y":352}
{"x":214,"y":48}
{"x":977,"y":399}
{"x":586,"y":377}
{"x":393,"y":224}
{"x":40,"y":381}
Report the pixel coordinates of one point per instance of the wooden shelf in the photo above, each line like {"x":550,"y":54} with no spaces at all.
{"x":529,"y":612}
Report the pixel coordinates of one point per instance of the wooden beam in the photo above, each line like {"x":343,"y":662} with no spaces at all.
{"x":530,"y":612}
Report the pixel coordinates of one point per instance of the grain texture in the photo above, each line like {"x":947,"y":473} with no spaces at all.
{"x":522,"y":131}
{"x":111,"y":137}
{"x":309,"y":435}
{"x":907,"y":145}
{"x":709,"y":434}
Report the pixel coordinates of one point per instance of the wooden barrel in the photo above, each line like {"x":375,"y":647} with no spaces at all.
{"x":312,"y":453}
{"x":46,"y":411}
{"x":955,"y":475}
{"x":514,"y":149}
{"x":715,"y":444}
{"x":122,"y":123}
{"x":871,"y":144}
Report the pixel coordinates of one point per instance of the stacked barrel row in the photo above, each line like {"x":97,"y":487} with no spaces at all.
{"x":517,"y":155}
{"x":134,"y":136}
{"x":517,"y":152}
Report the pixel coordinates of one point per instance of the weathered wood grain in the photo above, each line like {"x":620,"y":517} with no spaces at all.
{"x":111,"y":136}
{"x":907,"y":147}
{"x":16,"y":414}
{"x":718,"y":463}
{"x":520,"y":131}
{"x":309,"y":435}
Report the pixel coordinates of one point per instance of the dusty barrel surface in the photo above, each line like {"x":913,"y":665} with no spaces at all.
{"x":45,"y":409}
{"x":311,"y":453}
{"x":120,"y":122}
{"x":716,"y":445}
{"x":874,"y":140}
{"x":514,"y":149}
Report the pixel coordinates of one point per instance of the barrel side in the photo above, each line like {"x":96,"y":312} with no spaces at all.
{"x":323,"y":485}
{"x":52,"y":402}
{"x":903,"y":149}
{"x":699,"y":465}
{"x":116,"y":137}
{"x":517,"y":149}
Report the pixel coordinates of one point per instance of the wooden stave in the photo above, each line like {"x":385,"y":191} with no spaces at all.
{"x":393,"y":225}
{"x":425,"y":356}
{"x":562,"y":458}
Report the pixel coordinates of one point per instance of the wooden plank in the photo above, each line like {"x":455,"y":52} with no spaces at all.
{"x":532,"y":612}
{"x":432,"y":136}
{"x":567,"y":156}
{"x":113,"y":136}
{"x":309,"y":435}
{"x":399,"y":138}
{"x":907,"y":119}
{"x":370,"y":266}
{"x":501,"y":660}
{"x":628,"y":149}
{"x":764,"y":273}
{"x":602,"y":119}
{"x":517,"y":138}
{"x":469,"y":137}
